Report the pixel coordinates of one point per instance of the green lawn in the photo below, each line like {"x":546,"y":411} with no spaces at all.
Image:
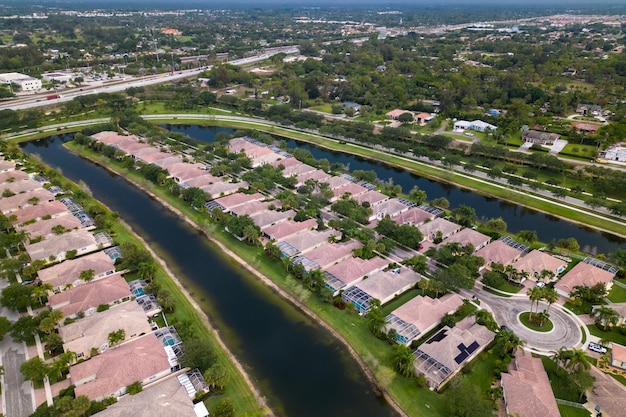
{"x":547,"y":325}
{"x":617,"y":294}
{"x":569,"y":411}
{"x":612,"y":335}
{"x":326,"y":108}
{"x":579,"y":151}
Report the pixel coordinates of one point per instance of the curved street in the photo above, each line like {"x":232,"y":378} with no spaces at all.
{"x":506,"y":311}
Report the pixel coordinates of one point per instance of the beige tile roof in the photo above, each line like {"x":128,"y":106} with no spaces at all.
{"x":328,"y":254}
{"x":413,"y":216}
{"x":537,"y":261}
{"x":91,"y":295}
{"x":165,"y":399}
{"x":44,"y":227}
{"x":203,"y":180}
{"x":335,"y":182}
{"x":7,"y":165}
{"x":79,"y":240}
{"x":446,"y":227}
{"x":351,"y":270}
{"x":68,"y":271}
{"x":270,"y":217}
{"x":286,"y":162}
{"x":288,"y":228}
{"x":372,"y":196}
{"x":135,"y":148}
{"x":238,"y":199}
{"x":310,"y":239}
{"x":583,"y":274}
{"x":298,"y":170}
{"x":8,"y":204}
{"x":236,"y":144}
{"x":93,"y":331}
{"x":20,"y":186}
{"x":14,"y":176}
{"x":317,"y":175}
{"x":266,"y":159}
{"x":164,"y":160}
{"x":391,"y":207}
{"x":219,"y":188}
{"x":250,"y":208}
{"x":498,"y":252}
{"x":527,"y":390}
{"x":351,"y":188}
{"x":385,"y":285}
{"x":111,"y":138}
{"x":51,"y":208}
{"x":425,"y":312}
{"x":119,"y":367}
{"x":468,"y":236}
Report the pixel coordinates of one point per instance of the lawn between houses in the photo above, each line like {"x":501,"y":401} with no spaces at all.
{"x":236,"y":389}
{"x":463,"y":180}
{"x":376,"y":354}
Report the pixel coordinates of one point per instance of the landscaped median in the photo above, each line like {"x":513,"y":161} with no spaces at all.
{"x":580,"y":215}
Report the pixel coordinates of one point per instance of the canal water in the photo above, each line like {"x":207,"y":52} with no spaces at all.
{"x":518,"y":218}
{"x":298,"y":366}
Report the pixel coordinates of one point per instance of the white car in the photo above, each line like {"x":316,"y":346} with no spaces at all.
{"x":594,"y":347}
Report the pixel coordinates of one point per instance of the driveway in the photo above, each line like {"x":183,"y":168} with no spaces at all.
{"x":506,"y":311}
{"x":17,"y":394}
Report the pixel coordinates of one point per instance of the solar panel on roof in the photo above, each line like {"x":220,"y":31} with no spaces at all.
{"x":461,"y":357}
{"x":472,"y":347}
{"x":442,"y":334}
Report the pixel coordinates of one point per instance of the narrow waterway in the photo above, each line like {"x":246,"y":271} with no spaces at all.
{"x":298,"y":366}
{"x":549,"y":228}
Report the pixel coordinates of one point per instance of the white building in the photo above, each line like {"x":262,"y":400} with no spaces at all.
{"x":60,"y":77}
{"x":26,"y":82}
{"x":477,"y":125}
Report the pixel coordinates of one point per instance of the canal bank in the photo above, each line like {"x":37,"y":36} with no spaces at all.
{"x":300,"y":367}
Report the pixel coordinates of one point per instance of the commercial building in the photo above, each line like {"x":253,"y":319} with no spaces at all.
{"x":25,"y":82}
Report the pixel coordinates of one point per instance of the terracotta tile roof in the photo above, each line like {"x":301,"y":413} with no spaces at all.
{"x":335,"y":182}
{"x":119,"y":367}
{"x":413,"y":216}
{"x":91,"y":295}
{"x":22,"y":186}
{"x":80,"y":240}
{"x":69,"y":271}
{"x":317,"y":175}
{"x":44,"y":227}
{"x":328,"y":254}
{"x":351,"y":188}
{"x":583,"y":274}
{"x":250,"y":208}
{"x":164,"y":160}
{"x":238,"y":199}
{"x":52,"y":208}
{"x":286,"y":162}
{"x":351,"y":270}
{"x":498,"y":252}
{"x":391,"y":207}
{"x":93,"y":331}
{"x":537,"y":261}
{"x":13,"y":176}
{"x":9,"y":204}
{"x":527,"y":390}
{"x":288,"y":228}
{"x":202,"y":181}
{"x":372,"y":196}
{"x":397,"y":113}
{"x":618,"y":352}
{"x":298,"y":170}
{"x":430,"y":229}
{"x":224,"y":188}
{"x":385,"y":285}
{"x":468,"y":236}
{"x":310,"y":239}
{"x":425,"y":312}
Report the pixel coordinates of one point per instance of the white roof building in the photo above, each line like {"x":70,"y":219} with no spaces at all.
{"x":26,"y":82}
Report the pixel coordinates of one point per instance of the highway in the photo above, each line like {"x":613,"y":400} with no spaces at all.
{"x":35,"y":101}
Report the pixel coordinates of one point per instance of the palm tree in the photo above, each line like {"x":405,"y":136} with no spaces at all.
{"x":535,"y":295}
{"x":562,"y":357}
{"x":41,"y":291}
{"x":375,"y":317}
{"x":403,"y":359}
{"x":578,"y":360}
{"x":551,"y":296}
{"x":606,"y":317}
{"x":56,"y":316}
{"x":89,"y":274}
{"x":81,"y":404}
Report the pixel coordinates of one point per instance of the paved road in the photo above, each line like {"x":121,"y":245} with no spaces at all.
{"x":18,"y":394}
{"x":506,"y":311}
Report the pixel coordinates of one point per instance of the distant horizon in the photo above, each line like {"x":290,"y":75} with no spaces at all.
{"x":584,"y":4}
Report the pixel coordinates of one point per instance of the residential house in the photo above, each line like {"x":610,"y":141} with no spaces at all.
{"x":498,"y":252}
{"x":107,"y":375}
{"x":86,"y":298}
{"x":352,"y":189}
{"x":618,"y":356}
{"x":391,"y":208}
{"x":445,"y":354}
{"x":304,"y":241}
{"x":542,"y":138}
{"x":229,"y":202}
{"x":396,"y":113}
{"x":348,"y":272}
{"x":67,"y":273}
{"x":288,"y":228}
{"x":317,"y":175}
{"x":44,"y":228}
{"x":589,"y":109}
{"x":52,"y":209}
{"x":586,"y":274}
{"x":23,"y":200}
{"x":414,"y":217}
{"x":326,"y":255}
{"x":586,"y":127}
{"x":17,"y":187}
{"x":537,"y":261}
{"x":439,"y":228}
{"x":383,"y":286}
{"x":13,"y":175}
{"x":55,"y":248}
{"x":526,"y":388}
{"x":269,"y":217}
{"x":468,"y":237}
{"x":372,"y":197}
{"x":93,"y":331}
{"x":420,"y":315}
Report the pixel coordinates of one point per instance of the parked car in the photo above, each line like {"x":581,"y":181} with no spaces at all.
{"x":540,"y":284}
{"x":594,"y":347}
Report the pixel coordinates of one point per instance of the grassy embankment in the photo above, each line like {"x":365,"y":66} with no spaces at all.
{"x":187,"y":312}
{"x":353,"y":328}
{"x":463,"y":180}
